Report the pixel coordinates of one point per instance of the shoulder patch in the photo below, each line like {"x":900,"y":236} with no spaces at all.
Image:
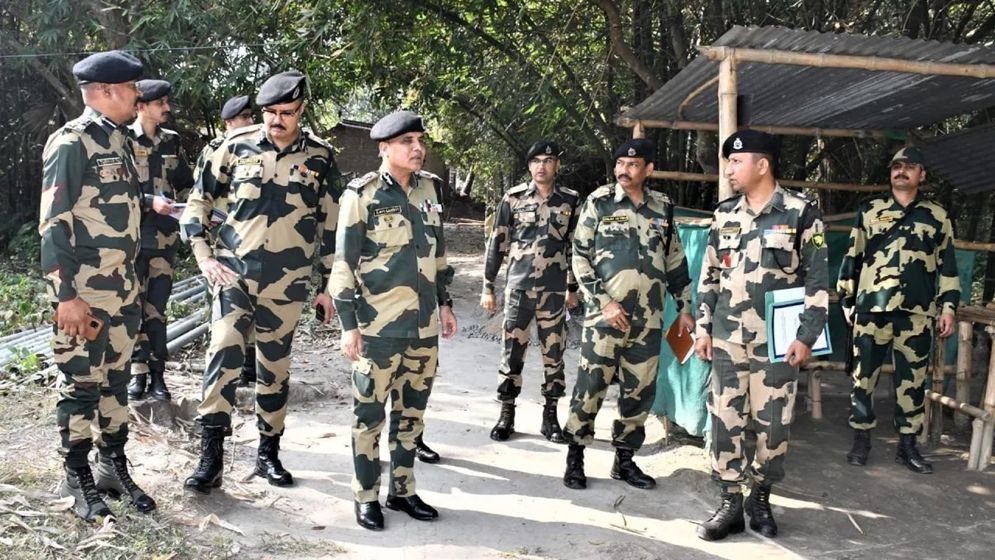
{"x":358,"y":183}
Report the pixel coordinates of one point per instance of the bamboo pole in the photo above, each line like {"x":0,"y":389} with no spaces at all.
{"x":727,"y":117}
{"x":965,"y":409}
{"x":874,"y":63}
{"x":965,"y":337}
{"x":710,"y":178}
{"x":939,"y":356}
{"x":638,"y":131}
{"x":974,"y":455}
{"x":839,"y":217}
{"x":958,"y":244}
{"x":690,"y":97}
{"x":680,"y":124}
{"x":989,"y":404}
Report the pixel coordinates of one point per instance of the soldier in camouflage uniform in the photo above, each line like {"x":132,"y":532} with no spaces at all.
{"x":389,"y":284}
{"x":282,"y":185}
{"x":162,"y":172}
{"x":534,"y":224}
{"x":765,"y":238}
{"x":89,"y":227}
{"x":626,"y":254}
{"x":236,"y":113}
{"x":898,"y":272}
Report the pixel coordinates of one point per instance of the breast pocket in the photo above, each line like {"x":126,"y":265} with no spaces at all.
{"x":525,"y":227}
{"x":391,"y":232}
{"x":246,"y":181}
{"x":779,"y":252}
{"x":728,"y":252}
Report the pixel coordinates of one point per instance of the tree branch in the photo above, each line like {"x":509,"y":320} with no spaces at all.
{"x":622,"y":50}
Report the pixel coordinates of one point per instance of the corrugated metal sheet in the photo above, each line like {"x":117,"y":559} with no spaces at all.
{"x":803,"y":96}
{"x":963,"y":159}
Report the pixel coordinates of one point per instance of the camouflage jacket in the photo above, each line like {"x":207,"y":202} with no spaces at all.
{"x":281,"y":202}
{"x":390,"y":273}
{"x":910,"y":264}
{"x":750,"y":254}
{"x":90,"y":213}
{"x":534,"y":232}
{"x":205,"y":155}
{"x":620,"y":254}
{"x":162,"y":170}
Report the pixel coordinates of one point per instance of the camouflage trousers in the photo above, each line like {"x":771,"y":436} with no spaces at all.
{"x":911,"y":339}
{"x":749,"y":394}
{"x":155,"y":275}
{"x":635,"y":354}
{"x":548,"y":310}
{"x":234,"y":313}
{"x":404,"y":370}
{"x":93,"y":386}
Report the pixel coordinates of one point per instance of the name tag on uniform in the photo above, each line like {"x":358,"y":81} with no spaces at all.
{"x":883,"y":220}
{"x":107,"y":167}
{"x":615,"y":219}
{"x":730,"y":230}
{"x":250,"y":160}
{"x":142,"y":152}
{"x":387,"y":210}
{"x":527,"y":208}
{"x":526,"y":217}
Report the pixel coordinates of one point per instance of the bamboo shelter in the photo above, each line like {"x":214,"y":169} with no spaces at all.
{"x":793,"y":82}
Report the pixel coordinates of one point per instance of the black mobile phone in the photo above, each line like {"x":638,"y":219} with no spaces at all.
{"x":319,"y":313}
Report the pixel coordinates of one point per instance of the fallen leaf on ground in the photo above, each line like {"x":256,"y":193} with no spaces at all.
{"x":213,"y":519}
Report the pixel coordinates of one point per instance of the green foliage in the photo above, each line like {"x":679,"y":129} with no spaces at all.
{"x":22,"y":302}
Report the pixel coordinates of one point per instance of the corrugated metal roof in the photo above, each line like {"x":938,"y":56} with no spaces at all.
{"x":810,"y":97}
{"x":963,"y":158}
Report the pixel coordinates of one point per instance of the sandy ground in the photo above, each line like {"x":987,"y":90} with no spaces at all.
{"x":507,"y":500}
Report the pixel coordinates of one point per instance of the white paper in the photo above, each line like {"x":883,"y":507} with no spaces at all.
{"x":690,"y":353}
{"x":177,"y":210}
{"x":785,"y":325}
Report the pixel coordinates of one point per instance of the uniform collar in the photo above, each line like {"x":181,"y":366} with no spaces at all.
{"x":776,"y":201}
{"x":262,"y":139}
{"x":534,"y":189}
{"x":387,"y":180}
{"x":620,"y":194}
{"x":918,"y":198}
{"x":96,"y":116}
{"x":139,"y":131}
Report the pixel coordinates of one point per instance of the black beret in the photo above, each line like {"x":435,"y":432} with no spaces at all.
{"x":234,"y":106}
{"x":636,"y":147}
{"x":396,"y":124}
{"x":750,"y":142}
{"x":109,"y":67}
{"x":150,"y":90}
{"x":281,"y":88}
{"x":543,"y":147}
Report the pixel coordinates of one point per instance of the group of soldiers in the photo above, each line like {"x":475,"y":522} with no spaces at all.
{"x":265,"y":201}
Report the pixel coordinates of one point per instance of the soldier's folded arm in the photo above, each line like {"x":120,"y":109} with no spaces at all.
{"x":351,"y":233}
{"x":497,"y":245}
{"x":815,"y":266}
{"x":581,"y":260}
{"x":64,"y":167}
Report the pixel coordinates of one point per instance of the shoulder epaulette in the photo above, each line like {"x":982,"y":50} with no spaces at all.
{"x":80,"y":123}
{"x":570,"y":192}
{"x":810,"y":200}
{"x":729,"y":202}
{"x":312,"y":137}
{"x":358,"y":183}
{"x":429,"y":175}
{"x":662,"y":197}
{"x":169,"y":132}
{"x":602,"y":191}
{"x":216,"y":142}
{"x":518,"y":189}
{"x":242,"y":131}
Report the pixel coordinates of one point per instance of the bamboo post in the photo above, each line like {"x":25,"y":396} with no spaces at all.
{"x":974,"y":455}
{"x":638,"y":130}
{"x":985,"y":455}
{"x":965,"y":337}
{"x":815,"y":393}
{"x":939,"y":356}
{"x":727,"y":115}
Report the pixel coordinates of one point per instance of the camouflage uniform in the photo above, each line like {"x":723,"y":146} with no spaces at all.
{"x":89,"y":224}
{"x":389,"y":277}
{"x":621,"y":254}
{"x":534,"y":232}
{"x":282,"y":202}
{"x":896,"y":293}
{"x":749,"y":254}
{"x":162,"y":171}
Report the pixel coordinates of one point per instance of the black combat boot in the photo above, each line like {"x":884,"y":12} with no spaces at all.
{"x":908,"y":455}
{"x":574,"y":476}
{"x":757,"y":506}
{"x":726,"y":520}
{"x":137,"y":385}
{"x":413,"y":506}
{"x":626,"y":469}
{"x":248,"y":376}
{"x":114,"y":479}
{"x":424,"y":452}
{"x":157,"y":382}
{"x":550,"y":424}
{"x":268,"y":463}
{"x":369,"y":515}
{"x":861,"y":448}
{"x":211,"y":465}
{"x":506,"y":423}
{"x":87,"y":505}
